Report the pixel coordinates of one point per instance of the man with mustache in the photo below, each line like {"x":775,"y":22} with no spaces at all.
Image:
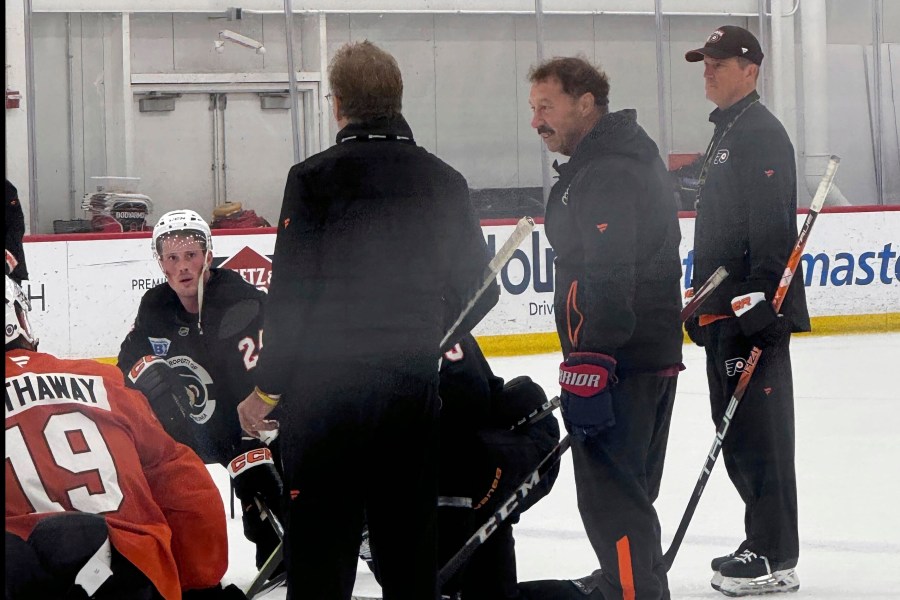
{"x":611,"y":218}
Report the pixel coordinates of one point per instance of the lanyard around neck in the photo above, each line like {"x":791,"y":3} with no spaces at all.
{"x":713,"y":148}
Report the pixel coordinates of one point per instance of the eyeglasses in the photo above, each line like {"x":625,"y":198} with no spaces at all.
{"x":328,"y":97}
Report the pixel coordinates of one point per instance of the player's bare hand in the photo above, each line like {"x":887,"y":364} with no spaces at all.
{"x":252,"y":413}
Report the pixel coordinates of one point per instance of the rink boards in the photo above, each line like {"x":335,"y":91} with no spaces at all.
{"x":85,"y":289}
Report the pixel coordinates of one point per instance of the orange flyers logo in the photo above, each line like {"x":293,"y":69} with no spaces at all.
{"x":601,"y":227}
{"x":286,"y":222}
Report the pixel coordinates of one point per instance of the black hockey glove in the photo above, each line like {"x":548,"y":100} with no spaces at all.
{"x":585,"y":398}
{"x":255,"y":477}
{"x":162,"y":386}
{"x":695,"y":331}
{"x":758,"y":320}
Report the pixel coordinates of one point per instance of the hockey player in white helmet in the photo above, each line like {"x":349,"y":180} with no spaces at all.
{"x":147,"y":528}
{"x":192,"y":352}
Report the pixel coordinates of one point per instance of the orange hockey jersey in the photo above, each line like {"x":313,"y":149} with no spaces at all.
{"x":78,"y":440}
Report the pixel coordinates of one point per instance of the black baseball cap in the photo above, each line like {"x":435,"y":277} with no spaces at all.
{"x":728,"y":41}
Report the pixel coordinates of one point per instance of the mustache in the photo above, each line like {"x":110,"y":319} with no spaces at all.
{"x":545,"y":129}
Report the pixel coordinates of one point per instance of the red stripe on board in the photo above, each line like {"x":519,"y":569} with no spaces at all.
{"x":78,"y":237}
{"x":691,"y":214}
{"x":682,"y":214}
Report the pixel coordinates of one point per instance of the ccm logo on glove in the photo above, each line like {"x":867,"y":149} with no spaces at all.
{"x":248,"y":460}
{"x":142,"y":363}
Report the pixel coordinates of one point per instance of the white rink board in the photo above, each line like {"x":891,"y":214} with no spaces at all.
{"x":85,"y":292}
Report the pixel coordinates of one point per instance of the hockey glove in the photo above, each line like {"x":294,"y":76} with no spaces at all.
{"x":758,"y":320}
{"x":585,"y":398}
{"x":255,"y":478}
{"x":162,"y":386}
{"x":695,"y":331}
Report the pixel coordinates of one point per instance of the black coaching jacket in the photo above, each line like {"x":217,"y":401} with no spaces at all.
{"x":378,"y":250}
{"x":612,"y":221}
{"x":746,"y":210}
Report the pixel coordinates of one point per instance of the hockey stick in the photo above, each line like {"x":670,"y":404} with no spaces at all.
{"x":523,"y":228}
{"x":752,"y":361}
{"x":537,"y":414}
{"x":480,"y":536}
{"x":501,"y":514}
{"x":703,"y":293}
{"x":261,"y":584}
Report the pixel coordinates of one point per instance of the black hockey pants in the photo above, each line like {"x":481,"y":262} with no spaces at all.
{"x":617,"y":477}
{"x":361,"y":444}
{"x":758,"y":449}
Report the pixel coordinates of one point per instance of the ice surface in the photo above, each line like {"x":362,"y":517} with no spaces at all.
{"x":847,"y":403}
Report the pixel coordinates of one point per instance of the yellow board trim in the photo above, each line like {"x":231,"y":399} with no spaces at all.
{"x":544,"y":343}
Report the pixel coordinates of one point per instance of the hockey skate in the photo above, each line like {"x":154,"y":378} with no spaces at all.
{"x":585,"y":588}
{"x":748,"y":574}
{"x":716,"y":564}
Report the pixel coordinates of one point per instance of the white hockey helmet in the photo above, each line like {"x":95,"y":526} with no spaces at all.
{"x":181,"y":221}
{"x":17,"y":308}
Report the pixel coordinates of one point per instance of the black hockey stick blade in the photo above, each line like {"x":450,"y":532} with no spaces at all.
{"x":502,"y":513}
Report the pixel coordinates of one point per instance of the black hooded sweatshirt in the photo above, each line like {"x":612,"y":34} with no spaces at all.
{"x":612,"y":220}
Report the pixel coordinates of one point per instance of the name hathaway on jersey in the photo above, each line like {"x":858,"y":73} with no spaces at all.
{"x":32,"y":389}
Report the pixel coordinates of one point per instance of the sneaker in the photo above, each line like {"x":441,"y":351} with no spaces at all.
{"x":749,"y":574}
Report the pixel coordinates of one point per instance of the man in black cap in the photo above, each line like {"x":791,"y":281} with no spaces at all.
{"x":746,"y":220}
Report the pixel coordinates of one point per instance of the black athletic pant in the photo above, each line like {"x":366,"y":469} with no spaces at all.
{"x":759,"y":447}
{"x":617,"y":477}
{"x":361,"y":444}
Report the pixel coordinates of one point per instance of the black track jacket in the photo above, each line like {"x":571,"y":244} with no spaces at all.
{"x":378,"y":250}
{"x":612,"y":220}
{"x":217,"y":365}
{"x":746,"y":210}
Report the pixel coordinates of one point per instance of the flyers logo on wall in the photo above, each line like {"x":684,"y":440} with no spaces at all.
{"x":254,"y":267}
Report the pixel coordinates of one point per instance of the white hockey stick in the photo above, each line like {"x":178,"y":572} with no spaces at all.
{"x":522,"y":230}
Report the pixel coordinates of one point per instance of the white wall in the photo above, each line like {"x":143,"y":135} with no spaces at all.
{"x":466,"y":89}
